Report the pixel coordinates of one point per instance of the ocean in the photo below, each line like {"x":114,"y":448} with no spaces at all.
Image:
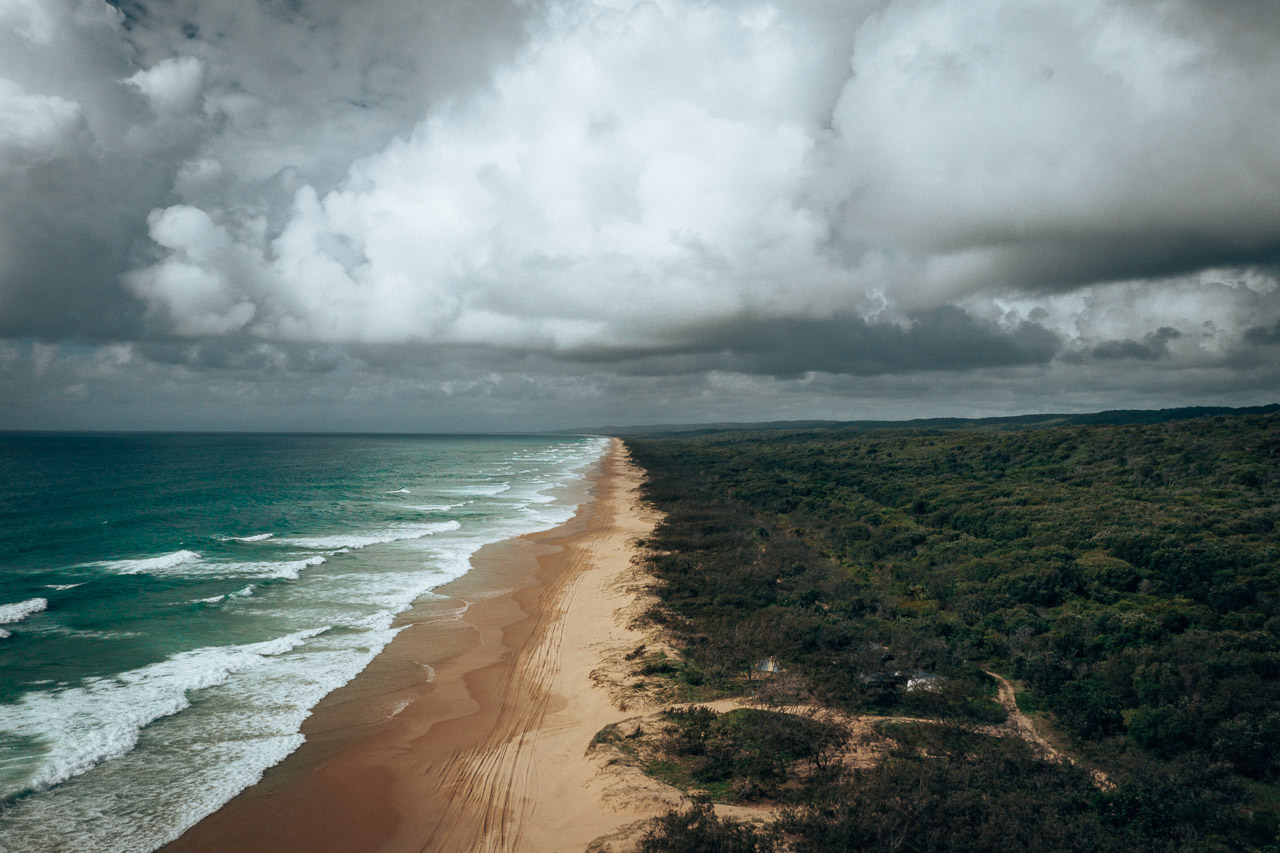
{"x":173,"y":605}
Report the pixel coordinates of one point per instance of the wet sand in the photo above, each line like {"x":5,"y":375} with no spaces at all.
{"x":470,"y":730}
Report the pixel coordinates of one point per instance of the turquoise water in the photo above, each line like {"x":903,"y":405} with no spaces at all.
{"x":172,"y":606}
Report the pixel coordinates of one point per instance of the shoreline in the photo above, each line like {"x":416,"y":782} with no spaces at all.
{"x":438,"y":743}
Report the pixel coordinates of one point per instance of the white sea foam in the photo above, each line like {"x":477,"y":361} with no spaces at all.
{"x":400,"y":492}
{"x":257,"y":537}
{"x":150,"y":565}
{"x":102,"y":717}
{"x":63,"y":586}
{"x":188,"y":764}
{"x":377,"y":623}
{"x":483,"y":490}
{"x":196,"y":567}
{"x":240,"y":593}
{"x":284,"y":569}
{"x":363,"y":540}
{"x":20,"y":610}
{"x":67,"y":631}
{"x":4,"y":635}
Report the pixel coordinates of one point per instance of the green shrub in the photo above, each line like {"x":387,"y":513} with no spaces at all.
{"x":699,"y":830}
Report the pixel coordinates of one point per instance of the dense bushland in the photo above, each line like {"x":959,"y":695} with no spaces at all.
{"x":1129,"y":577}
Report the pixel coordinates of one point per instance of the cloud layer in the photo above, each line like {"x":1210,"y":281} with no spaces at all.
{"x":558,"y":211}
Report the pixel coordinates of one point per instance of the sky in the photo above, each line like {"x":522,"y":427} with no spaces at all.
{"x":456,"y":215}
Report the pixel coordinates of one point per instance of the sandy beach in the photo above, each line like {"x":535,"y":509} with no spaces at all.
{"x":470,"y":730}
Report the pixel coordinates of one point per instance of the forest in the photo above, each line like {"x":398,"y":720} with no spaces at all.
{"x":1124,"y":577}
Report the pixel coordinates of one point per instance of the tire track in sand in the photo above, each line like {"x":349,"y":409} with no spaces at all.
{"x":487,"y":786}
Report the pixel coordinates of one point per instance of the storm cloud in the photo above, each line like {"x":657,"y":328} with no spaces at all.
{"x":497,"y":215}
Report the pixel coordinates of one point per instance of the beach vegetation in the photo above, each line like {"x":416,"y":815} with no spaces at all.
{"x":746,"y":754}
{"x":699,"y":830}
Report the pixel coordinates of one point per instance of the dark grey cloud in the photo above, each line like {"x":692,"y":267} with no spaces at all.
{"x":944,"y":339}
{"x":114,"y":387}
{"x":941,"y":339}
{"x":311,"y":85}
{"x":67,"y":239}
{"x":82,"y":162}
{"x":1071,"y":260}
{"x":247,"y":356}
{"x":1264,"y":335}
{"x":1154,"y":346}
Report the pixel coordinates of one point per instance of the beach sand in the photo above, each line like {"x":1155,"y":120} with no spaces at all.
{"x":470,"y":730}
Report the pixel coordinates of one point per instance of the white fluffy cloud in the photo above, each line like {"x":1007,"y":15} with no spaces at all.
{"x":195,"y":282}
{"x":650,"y":159}
{"x":36,"y":128}
{"x":173,"y":86}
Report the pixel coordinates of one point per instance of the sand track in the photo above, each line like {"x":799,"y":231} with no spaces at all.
{"x":490,"y":789}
